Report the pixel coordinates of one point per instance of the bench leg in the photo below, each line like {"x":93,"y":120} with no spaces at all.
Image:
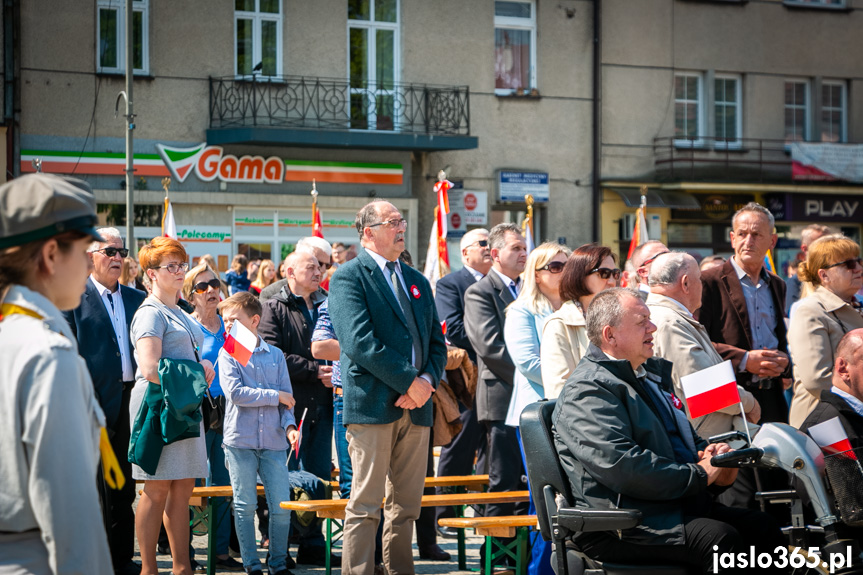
{"x":521,"y":555}
{"x":212,"y":509}
{"x":462,"y":551}
{"x":329,"y":547}
{"x":489,"y":555}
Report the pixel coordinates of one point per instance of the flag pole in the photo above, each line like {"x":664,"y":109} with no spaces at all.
{"x":745,"y":423}
{"x":314,"y":194}
{"x":166,"y":183}
{"x":528,"y":218}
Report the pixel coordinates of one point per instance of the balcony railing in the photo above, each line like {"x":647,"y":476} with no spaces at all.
{"x":745,"y":159}
{"x":339,"y":104}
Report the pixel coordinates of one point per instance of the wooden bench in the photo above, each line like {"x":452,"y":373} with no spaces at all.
{"x":492,"y":528}
{"x":468,"y":482}
{"x":334,"y":510}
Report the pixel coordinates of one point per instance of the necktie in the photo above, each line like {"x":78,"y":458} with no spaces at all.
{"x":405,"y":304}
{"x":111,"y":301}
{"x":513,"y":289}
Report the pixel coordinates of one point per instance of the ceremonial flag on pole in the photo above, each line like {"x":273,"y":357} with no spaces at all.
{"x":710,"y":389}
{"x":169,"y":226}
{"x":240,"y":343}
{"x":639,"y":233}
{"x":831,"y":437}
{"x":317,"y":225}
{"x":527,"y":224}
{"x":437,"y":257}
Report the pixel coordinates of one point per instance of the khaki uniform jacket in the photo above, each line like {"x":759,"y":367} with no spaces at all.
{"x":683,"y":341}
{"x":49,"y":446}
{"x":817,"y":324}
{"x":564,"y":343}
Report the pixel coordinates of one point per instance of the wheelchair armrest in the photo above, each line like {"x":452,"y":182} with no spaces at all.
{"x":584,"y":520}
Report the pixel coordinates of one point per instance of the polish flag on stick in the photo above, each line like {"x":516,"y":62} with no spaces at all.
{"x":831,"y":438}
{"x":240,"y":343}
{"x":712,"y":389}
{"x":300,"y":434}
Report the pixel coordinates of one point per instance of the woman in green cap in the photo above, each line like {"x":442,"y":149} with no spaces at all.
{"x":50,"y":421}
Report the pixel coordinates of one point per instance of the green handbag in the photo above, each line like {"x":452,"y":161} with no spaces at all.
{"x":183,"y":387}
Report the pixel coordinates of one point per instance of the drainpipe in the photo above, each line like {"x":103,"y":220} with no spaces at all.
{"x":597,"y":95}
{"x":11,"y":94}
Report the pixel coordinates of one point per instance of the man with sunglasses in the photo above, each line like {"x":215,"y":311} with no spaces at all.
{"x":642,"y":258}
{"x":457,"y":457}
{"x":101,"y":325}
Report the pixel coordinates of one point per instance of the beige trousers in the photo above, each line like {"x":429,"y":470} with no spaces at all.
{"x":389,"y":461}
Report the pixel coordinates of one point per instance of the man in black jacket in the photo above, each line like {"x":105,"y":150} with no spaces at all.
{"x":101,"y":326}
{"x":287,"y":323}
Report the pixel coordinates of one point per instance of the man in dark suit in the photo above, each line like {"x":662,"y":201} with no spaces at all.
{"x":101,"y":326}
{"x":392,"y":355}
{"x":484,"y":306}
{"x":742,"y":307}
{"x":457,"y":457}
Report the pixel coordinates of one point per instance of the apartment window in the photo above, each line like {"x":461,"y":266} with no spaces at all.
{"x":688,"y":109}
{"x":514,"y":46}
{"x":258,"y":37}
{"x":796,"y":111}
{"x":726,"y":110}
{"x":111,"y":36}
{"x":833,"y":111}
{"x":373,"y":56}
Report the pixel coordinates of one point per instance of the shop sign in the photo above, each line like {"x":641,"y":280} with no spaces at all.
{"x":467,"y":208}
{"x":219,"y":235}
{"x":716,"y":207}
{"x":815,"y":207}
{"x":212,"y":163}
{"x":514,"y":186}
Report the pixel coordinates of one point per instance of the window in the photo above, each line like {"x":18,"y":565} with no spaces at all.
{"x":514,"y":47}
{"x":833,"y":111}
{"x":688,"y":104}
{"x":111,"y":36}
{"x":726,"y":110}
{"x":796,"y":111}
{"x":373,"y":44}
{"x":258,"y":37}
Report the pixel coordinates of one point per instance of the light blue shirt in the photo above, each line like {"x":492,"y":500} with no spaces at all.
{"x":852,"y":401}
{"x":762,"y":315}
{"x":254,"y":418}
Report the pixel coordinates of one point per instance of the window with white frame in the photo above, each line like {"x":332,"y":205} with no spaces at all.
{"x":688,"y":109}
{"x":833,"y":111}
{"x":796,"y":111}
{"x":726,"y":110}
{"x":514,"y":46}
{"x":258,"y":37}
{"x":111,"y":36}
{"x":373,"y":56}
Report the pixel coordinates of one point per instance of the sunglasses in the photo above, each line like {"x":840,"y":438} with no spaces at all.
{"x":325,"y":265}
{"x":605,"y":273}
{"x":850,"y":264}
{"x":480,"y":243}
{"x":649,"y":260}
{"x":553,"y":267}
{"x":201,"y":287}
{"x":111,"y":252}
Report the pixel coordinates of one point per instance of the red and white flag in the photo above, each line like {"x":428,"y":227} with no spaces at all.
{"x":300,"y":434}
{"x":639,"y":232}
{"x":710,"y":389}
{"x":169,"y":226}
{"x":831,"y":437}
{"x":240,"y":343}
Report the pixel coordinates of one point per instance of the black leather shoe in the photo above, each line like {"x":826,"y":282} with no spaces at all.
{"x":447,"y":532}
{"x":317,"y":556}
{"x":434,"y":553}
{"x":228,"y":564}
{"x":130,"y":568}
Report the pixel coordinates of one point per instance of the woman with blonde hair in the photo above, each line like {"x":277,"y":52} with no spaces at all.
{"x":266,"y":276}
{"x":129,"y":274}
{"x":589,"y":270}
{"x":834,"y":273}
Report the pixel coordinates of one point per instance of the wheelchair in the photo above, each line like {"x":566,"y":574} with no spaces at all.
{"x":558,"y":520}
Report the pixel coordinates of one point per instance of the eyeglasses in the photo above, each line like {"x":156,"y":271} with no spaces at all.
{"x":201,"y":287}
{"x":606,"y":273}
{"x":480,"y":243}
{"x":111,"y":252}
{"x":553,"y":267}
{"x":394,"y":223}
{"x":174,"y":268}
{"x":850,"y":264}
{"x":649,"y":260}
{"x":325,"y":265}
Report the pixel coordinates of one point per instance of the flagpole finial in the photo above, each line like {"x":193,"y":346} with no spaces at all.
{"x":166,"y":183}
{"x":528,"y":199}
{"x":314,"y":191}
{"x":644,"y":195}
{"x":441,"y":176}
{"x":37,"y":164}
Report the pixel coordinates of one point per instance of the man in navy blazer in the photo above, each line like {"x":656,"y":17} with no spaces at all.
{"x":392,"y":356}
{"x":457,"y":457}
{"x":101,"y":326}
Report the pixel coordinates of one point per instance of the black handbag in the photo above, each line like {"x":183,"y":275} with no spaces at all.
{"x":214,"y":413}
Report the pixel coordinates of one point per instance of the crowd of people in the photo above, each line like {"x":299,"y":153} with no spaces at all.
{"x":355,"y":343}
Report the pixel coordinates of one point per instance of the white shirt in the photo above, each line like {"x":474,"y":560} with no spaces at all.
{"x":476,"y":275}
{"x":117,"y":313}
{"x":508,"y":281}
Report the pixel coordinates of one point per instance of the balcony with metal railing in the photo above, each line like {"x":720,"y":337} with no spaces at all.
{"x":338,"y":113}
{"x":720,"y":159}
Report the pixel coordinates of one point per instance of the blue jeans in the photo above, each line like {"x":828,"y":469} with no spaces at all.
{"x":219,"y":476}
{"x":244,"y":466}
{"x":342,"y":456}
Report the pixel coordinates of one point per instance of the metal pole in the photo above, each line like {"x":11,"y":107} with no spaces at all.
{"x":131,"y":243}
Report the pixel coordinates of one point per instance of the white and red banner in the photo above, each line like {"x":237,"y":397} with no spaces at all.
{"x":826,"y":162}
{"x":437,"y":257}
{"x":240,"y":343}
{"x":710,"y":389}
{"x":639,"y":233}
{"x":169,"y":226}
{"x":831,"y":437}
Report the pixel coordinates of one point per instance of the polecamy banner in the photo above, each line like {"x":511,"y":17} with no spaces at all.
{"x":824,"y":162}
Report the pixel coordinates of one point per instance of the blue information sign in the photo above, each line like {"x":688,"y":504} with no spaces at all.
{"x":513,"y":186}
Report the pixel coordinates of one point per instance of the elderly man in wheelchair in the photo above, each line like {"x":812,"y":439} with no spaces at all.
{"x":624,"y":443}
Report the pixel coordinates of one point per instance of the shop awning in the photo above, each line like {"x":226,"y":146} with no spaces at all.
{"x":658,"y":199}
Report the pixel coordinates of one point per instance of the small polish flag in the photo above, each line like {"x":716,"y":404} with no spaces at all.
{"x":831,"y":437}
{"x":240,"y":343}
{"x":710,"y":389}
{"x":300,"y":433}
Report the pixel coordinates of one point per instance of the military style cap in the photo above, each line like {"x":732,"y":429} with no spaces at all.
{"x":38,"y":206}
